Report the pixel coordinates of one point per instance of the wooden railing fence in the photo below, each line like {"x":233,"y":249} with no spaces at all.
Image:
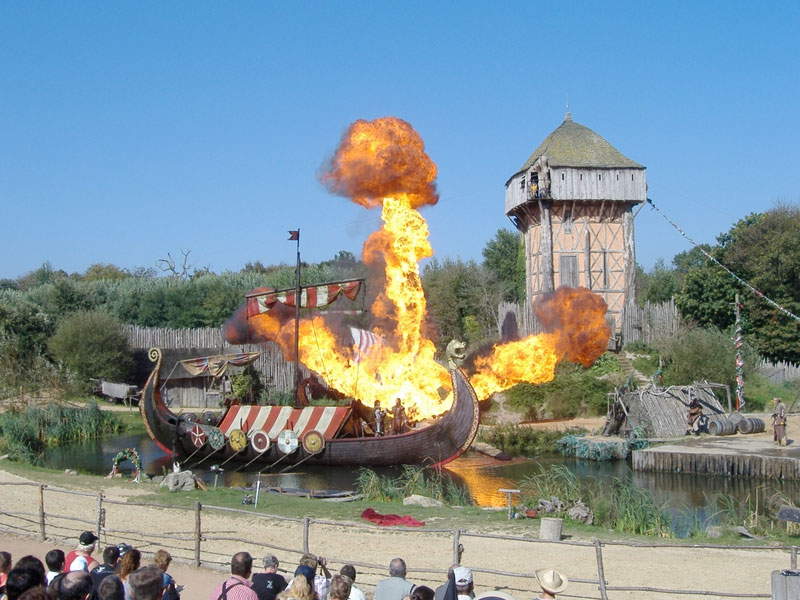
{"x":204,"y":544}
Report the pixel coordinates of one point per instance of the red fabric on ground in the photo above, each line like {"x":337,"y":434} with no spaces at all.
{"x":370,"y":515}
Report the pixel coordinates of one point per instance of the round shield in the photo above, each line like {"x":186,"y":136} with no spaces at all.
{"x":209,"y":418}
{"x":238,"y":440}
{"x":198,"y":436}
{"x":287,"y":441}
{"x":216,"y":439}
{"x":313,"y":442}
{"x":259,"y":441}
{"x":189,"y":416}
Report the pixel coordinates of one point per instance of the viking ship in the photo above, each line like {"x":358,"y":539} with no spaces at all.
{"x":263,"y":438}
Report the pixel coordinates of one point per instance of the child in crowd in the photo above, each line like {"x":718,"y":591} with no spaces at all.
{"x":55,"y":563}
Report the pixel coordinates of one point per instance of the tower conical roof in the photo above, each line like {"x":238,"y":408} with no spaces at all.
{"x":574,"y":145}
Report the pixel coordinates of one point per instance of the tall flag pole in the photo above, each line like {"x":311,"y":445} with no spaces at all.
{"x":737,"y":344}
{"x":295,"y":236}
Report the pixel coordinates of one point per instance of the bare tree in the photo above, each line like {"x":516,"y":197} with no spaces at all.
{"x":169,"y":265}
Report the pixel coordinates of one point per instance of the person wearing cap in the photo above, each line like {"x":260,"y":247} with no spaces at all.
{"x":321,"y":583}
{"x":81,"y":559}
{"x":238,"y":586}
{"x":552,"y":582}
{"x":464,"y":586}
{"x":269,"y":584}
{"x":301,"y":586}
{"x":395,"y":586}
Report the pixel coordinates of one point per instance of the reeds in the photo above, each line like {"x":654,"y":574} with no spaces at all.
{"x":616,"y":505}
{"x":425,"y":481}
{"x":26,"y":433}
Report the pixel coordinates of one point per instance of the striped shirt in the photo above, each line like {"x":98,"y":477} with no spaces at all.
{"x":235,"y":588}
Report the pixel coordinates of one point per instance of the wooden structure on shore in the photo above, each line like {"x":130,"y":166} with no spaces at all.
{"x":660,"y":412}
{"x":573,"y":201}
{"x":735,"y":456}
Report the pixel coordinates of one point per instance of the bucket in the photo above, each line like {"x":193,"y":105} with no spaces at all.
{"x":550,"y":529}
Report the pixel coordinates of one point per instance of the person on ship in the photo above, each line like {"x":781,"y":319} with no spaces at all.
{"x":399,"y":419}
{"x":380,"y":415}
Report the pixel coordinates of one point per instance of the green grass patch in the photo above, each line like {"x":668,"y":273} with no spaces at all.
{"x":413,"y":480}
{"x":519,"y":440}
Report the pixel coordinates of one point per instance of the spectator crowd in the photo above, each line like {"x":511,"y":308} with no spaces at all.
{"x":77,"y":575}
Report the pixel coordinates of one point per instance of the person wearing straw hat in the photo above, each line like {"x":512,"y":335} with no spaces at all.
{"x":552,"y":582}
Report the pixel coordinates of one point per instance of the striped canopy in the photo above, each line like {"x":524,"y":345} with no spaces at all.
{"x":310,"y":297}
{"x":327,"y":420}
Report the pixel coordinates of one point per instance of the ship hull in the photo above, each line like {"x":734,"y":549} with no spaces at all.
{"x":437,"y":444}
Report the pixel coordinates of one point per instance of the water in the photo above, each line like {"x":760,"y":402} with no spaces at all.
{"x":687,"y":496}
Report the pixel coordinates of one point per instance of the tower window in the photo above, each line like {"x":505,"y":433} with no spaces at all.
{"x":562,"y":177}
{"x":617,"y":176}
{"x":599,"y":177}
{"x":581,"y":176}
{"x":631,"y":177}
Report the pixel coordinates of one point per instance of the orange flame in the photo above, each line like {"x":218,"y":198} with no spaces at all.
{"x":579,"y":333}
{"x":383,"y":163}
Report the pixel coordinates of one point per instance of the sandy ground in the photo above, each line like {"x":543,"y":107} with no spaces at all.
{"x":148,"y":528}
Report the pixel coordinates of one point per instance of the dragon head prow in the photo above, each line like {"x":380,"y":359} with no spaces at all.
{"x":456,"y":353}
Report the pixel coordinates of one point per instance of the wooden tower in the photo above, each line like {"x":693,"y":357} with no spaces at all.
{"x":573,"y":201}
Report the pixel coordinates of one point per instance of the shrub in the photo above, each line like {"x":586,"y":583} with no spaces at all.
{"x":519,"y":440}
{"x":91,"y":344}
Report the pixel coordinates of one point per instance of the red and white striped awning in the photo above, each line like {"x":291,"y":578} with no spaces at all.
{"x":310,"y":297}
{"x":273,"y":419}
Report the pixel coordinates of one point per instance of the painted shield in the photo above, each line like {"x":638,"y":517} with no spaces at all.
{"x":259,"y":441}
{"x":313,"y":442}
{"x":198,"y":436}
{"x":238,"y":440}
{"x":287,"y":441}
{"x":216,"y":439}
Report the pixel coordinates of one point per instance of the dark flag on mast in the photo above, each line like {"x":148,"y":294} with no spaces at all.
{"x":294,"y":235}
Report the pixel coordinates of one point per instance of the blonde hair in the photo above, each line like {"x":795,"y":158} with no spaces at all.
{"x":340,"y":587}
{"x":300,"y":589}
{"x":162,"y":559}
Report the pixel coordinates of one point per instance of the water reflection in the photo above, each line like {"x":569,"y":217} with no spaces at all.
{"x":481,"y":475}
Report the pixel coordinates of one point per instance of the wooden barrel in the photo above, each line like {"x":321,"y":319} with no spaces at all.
{"x":736,"y":418}
{"x":720,"y":425}
{"x":751,"y":425}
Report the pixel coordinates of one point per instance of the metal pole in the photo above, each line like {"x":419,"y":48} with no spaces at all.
{"x":197,"y":533}
{"x":306,"y":524}
{"x":258,"y":489}
{"x":601,"y":575}
{"x":297,"y":322}
{"x":41,"y":513}
{"x":794,"y":558}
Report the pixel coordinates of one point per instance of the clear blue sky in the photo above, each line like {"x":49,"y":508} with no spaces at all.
{"x":129,"y":130}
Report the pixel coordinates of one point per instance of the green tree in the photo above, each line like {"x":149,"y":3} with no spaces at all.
{"x":501,"y":257}
{"x":661,"y":284}
{"x":99,"y":271}
{"x":91,"y":344}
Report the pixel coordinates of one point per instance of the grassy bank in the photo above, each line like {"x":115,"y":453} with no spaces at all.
{"x":470,"y":518}
{"x":25,"y":433}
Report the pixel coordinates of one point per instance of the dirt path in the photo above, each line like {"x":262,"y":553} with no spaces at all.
{"x":741,"y":570}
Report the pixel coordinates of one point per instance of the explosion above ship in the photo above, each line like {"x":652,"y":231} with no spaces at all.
{"x":383,"y":164}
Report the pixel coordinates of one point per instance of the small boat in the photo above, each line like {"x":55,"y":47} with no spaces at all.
{"x":279,"y":438}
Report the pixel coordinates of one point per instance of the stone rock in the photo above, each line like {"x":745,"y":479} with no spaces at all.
{"x":714,"y":531}
{"x":549,"y":506}
{"x":70,"y":472}
{"x":156,"y":479}
{"x":417,"y":500}
{"x":581,"y":513}
{"x":179,"y":482}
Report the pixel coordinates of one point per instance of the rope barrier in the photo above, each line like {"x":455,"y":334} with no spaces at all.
{"x":758,"y":293}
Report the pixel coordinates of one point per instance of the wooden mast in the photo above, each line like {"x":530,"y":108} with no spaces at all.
{"x":295,"y":235}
